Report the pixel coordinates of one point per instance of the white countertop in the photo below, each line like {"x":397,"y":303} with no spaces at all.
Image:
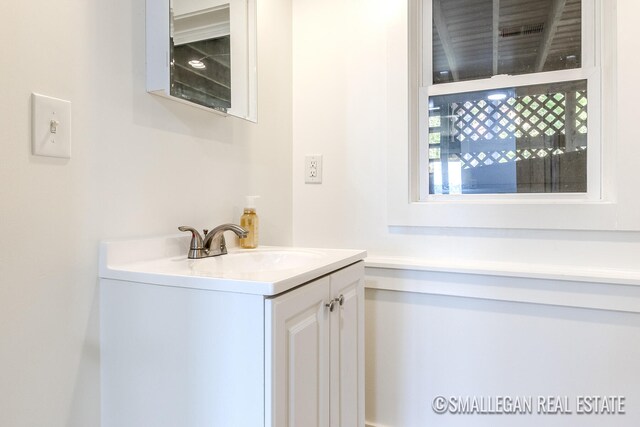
{"x":262,"y":271}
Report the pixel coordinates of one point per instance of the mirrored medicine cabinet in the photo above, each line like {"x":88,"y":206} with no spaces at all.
{"x":203,"y":53}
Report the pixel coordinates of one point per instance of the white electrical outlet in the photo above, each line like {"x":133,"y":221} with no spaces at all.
{"x":51,"y":127}
{"x":313,"y":169}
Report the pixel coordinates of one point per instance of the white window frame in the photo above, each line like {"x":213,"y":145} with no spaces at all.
{"x":595,"y":209}
{"x":590,"y":71}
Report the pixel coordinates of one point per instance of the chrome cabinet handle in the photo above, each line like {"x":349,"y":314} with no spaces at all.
{"x":331,"y":305}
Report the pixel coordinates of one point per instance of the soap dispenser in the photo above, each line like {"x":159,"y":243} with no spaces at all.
{"x":249,"y":221}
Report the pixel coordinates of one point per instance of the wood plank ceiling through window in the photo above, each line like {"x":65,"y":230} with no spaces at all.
{"x":531,"y":36}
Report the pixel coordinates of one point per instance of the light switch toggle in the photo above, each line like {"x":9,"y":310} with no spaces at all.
{"x":53,"y":126}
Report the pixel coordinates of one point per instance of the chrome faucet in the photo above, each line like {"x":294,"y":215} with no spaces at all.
{"x":213,"y":243}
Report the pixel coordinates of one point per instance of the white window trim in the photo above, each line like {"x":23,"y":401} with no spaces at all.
{"x":598,"y":210}
{"x":590,"y":71}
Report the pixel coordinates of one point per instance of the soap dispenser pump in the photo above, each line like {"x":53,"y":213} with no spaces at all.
{"x":249,"y":221}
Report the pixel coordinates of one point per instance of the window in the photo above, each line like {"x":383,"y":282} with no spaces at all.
{"x":522,"y":119}
{"x":507,"y":89}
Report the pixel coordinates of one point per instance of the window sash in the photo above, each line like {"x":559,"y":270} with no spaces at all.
{"x":589,"y":71}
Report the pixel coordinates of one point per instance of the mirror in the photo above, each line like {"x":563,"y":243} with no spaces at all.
{"x":203,"y":53}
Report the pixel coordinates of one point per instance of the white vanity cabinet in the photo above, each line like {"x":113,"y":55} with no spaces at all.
{"x":198,"y":354}
{"x":316,"y":360}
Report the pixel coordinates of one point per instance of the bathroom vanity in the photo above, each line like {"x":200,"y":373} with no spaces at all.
{"x":267,"y":337}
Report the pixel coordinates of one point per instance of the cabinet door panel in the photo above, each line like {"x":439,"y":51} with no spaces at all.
{"x":300,"y":357}
{"x":347,"y":352}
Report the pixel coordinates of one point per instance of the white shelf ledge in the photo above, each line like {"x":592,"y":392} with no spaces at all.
{"x":504,"y":269}
{"x":567,"y":286}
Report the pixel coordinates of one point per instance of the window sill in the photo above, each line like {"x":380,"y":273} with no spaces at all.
{"x":520,"y":214}
{"x":508,"y":269}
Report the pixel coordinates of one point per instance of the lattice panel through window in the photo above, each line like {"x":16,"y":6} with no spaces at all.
{"x":581,"y":112}
{"x":527,"y":116}
{"x":474,"y":160}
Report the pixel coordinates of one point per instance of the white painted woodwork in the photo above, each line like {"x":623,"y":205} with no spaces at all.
{"x":300,"y":356}
{"x":308,"y":338}
{"x":421,"y":345}
{"x":347,"y":354}
{"x":180,"y":357}
{"x":463,"y":331}
{"x":530,"y":270}
{"x":177,"y":356}
{"x":607,"y":204}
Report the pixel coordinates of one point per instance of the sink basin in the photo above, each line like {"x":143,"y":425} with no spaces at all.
{"x":252,"y":261}
{"x":264,"y":271}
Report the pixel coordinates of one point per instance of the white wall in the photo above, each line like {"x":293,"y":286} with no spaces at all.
{"x":140,"y":166}
{"x":350,"y":101}
{"x":350,"y":104}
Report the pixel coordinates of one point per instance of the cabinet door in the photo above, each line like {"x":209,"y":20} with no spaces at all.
{"x":347,"y":347}
{"x":299,"y":357}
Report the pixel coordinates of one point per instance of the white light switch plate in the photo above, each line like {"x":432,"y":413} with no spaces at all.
{"x":51,"y":126}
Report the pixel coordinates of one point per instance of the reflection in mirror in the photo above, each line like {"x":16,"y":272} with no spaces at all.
{"x":200,"y":57}
{"x":203,"y":53}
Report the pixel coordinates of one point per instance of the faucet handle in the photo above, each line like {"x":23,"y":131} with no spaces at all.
{"x":195,"y":247}
{"x":211,"y":239}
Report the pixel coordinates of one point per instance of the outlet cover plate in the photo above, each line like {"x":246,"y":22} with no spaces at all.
{"x":313,"y":169}
{"x":51,"y":126}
